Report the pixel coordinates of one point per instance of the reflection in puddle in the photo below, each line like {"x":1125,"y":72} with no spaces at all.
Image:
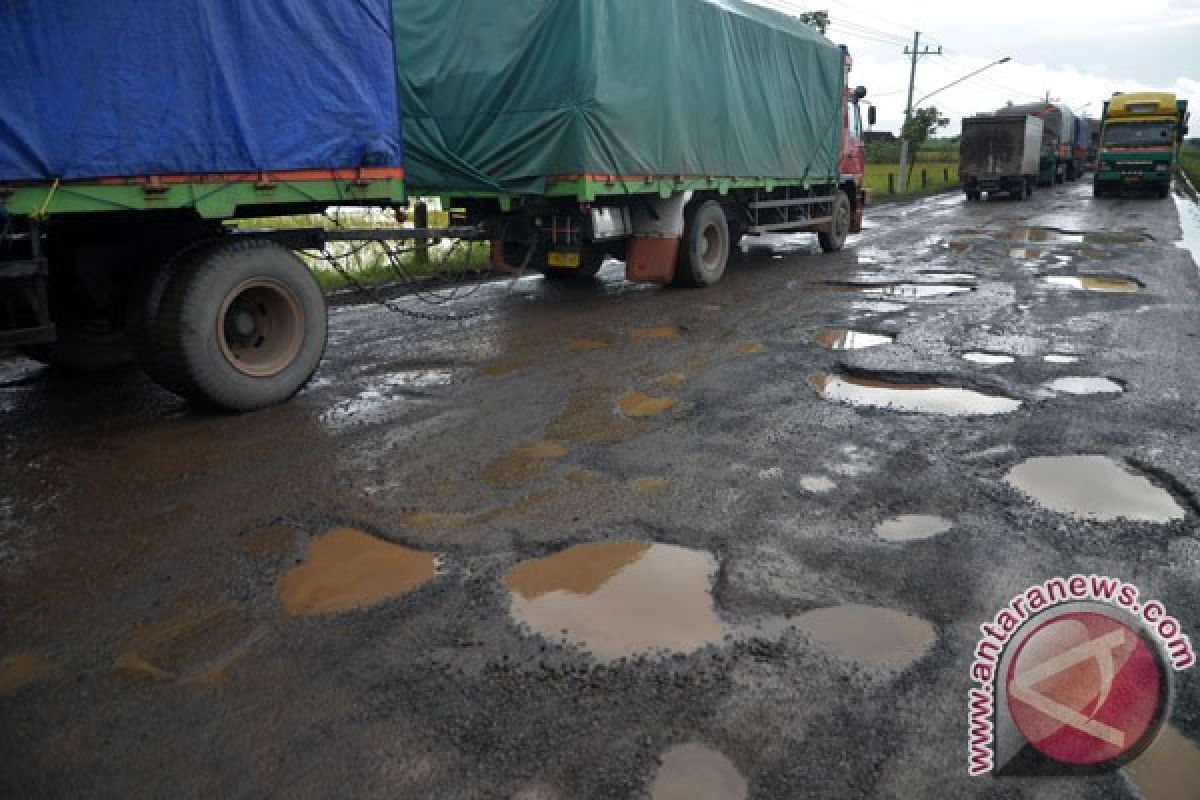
{"x":1052,"y":235}
{"x":191,"y":646}
{"x":1094,"y":283}
{"x":348,"y":569}
{"x":905,"y":290}
{"x":926,"y":398}
{"x":693,"y":771}
{"x":21,"y":670}
{"x":1060,"y":358}
{"x":877,"y":637}
{"x":523,"y":464}
{"x":1169,"y":769}
{"x":911,"y":527}
{"x":844,"y":339}
{"x":1027,"y":253}
{"x":988,"y":359}
{"x":818,"y":484}
{"x":880,"y":307}
{"x":638,"y":404}
{"x":1083,"y":385}
{"x":619,"y":598}
{"x":1092,"y":487}
{"x":381,"y":392}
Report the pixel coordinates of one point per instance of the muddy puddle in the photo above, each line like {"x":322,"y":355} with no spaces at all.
{"x":619,"y":598}
{"x":502,"y":368}
{"x":1093,"y":487}
{"x":912,"y":527}
{"x":1044,"y":235}
{"x":584,"y":345}
{"x":660,"y":332}
{"x":651,"y":487}
{"x":640,"y":404}
{"x":19,"y":671}
{"x":193,"y":645}
{"x":1075,"y":384}
{"x":751,"y":348}
{"x":523,"y":464}
{"x":1169,"y":769}
{"x":1094,"y":283}
{"x":1025,"y":253}
{"x":348,"y":569}
{"x":908,"y":291}
{"x":1060,"y":358}
{"x":693,"y":771}
{"x":589,"y":417}
{"x":876,"y":637}
{"x":988,"y":359}
{"x":846,"y":339}
{"x":916,"y":397}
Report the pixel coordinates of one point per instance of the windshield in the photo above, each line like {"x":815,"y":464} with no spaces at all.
{"x":1138,"y":134}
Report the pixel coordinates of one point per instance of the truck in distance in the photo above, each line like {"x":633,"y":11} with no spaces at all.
{"x":1000,"y":154}
{"x":1061,"y":160}
{"x":1139,"y":143}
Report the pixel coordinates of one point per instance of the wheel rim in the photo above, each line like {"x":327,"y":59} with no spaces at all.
{"x":260,"y":327}
{"x":710,"y":247}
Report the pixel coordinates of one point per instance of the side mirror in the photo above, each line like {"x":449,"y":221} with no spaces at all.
{"x":870,"y":115}
{"x":860,"y":93}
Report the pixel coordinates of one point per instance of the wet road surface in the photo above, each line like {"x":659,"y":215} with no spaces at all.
{"x":613,"y":540}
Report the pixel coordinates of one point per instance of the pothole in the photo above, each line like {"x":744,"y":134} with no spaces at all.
{"x":1093,"y":487}
{"x":916,"y":397}
{"x":523,"y":464}
{"x":348,"y":569}
{"x":912,"y":527}
{"x":619,"y":598}
{"x":876,"y":637}
{"x":589,"y":418}
{"x":988,"y":359}
{"x":19,"y":671}
{"x":751,"y":348}
{"x":1076,"y":384}
{"x":1094,"y":283}
{"x":584,"y":345}
{"x":1034,"y":234}
{"x":914,"y":291}
{"x":846,"y":339}
{"x":693,"y":771}
{"x":639,"y":404}
{"x":1060,"y":358}
{"x":190,"y":646}
{"x":817,"y":484}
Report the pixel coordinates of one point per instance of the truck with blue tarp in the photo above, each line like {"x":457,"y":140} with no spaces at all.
{"x":133,"y":134}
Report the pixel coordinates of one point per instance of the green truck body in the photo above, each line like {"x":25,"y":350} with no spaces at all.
{"x":1139,"y":143}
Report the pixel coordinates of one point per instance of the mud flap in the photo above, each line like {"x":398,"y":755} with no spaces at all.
{"x":657,"y":228}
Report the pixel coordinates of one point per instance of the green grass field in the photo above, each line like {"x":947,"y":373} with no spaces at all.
{"x":1189,"y":162}
{"x":939,"y":176}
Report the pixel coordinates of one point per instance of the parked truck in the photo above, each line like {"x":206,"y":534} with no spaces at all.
{"x":1061,"y":161}
{"x":1139,"y":143}
{"x":1000,"y":154}
{"x":560,"y":132}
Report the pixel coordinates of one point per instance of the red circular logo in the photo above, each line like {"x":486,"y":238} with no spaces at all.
{"x":1085,"y":688}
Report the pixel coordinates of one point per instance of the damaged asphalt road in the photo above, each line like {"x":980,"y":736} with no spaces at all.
{"x":612,"y":540}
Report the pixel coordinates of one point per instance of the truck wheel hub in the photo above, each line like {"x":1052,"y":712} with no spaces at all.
{"x":260,"y":327}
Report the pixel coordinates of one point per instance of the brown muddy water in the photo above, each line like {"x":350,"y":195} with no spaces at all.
{"x":876,"y":637}
{"x":1093,"y":487}
{"x":921,"y":398}
{"x":912,"y":527}
{"x":1169,"y":769}
{"x":693,"y":771}
{"x":348,"y":569}
{"x":619,"y":598}
{"x":846,"y":339}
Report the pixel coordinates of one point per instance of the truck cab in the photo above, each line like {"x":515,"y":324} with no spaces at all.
{"x":1139,"y":143}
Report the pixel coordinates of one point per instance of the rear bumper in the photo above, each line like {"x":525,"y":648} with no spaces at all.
{"x":24,"y":310}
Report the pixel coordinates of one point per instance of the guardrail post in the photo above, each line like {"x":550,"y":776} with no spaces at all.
{"x":924,"y":179}
{"x":946,"y":174}
{"x":421,"y":220}
{"x":891,"y":183}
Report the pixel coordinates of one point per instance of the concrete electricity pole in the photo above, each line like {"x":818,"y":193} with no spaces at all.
{"x":912,"y":78}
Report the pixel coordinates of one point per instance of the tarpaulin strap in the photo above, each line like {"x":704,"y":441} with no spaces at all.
{"x":41,"y":212}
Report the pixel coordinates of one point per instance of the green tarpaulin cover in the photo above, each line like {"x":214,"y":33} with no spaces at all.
{"x":498,"y":95}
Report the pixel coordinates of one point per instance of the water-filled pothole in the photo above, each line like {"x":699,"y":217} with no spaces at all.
{"x":523,"y":464}
{"x":917,"y":396}
{"x":1094,"y":283}
{"x":1169,"y":769}
{"x":845,"y":339}
{"x":1078,"y":384}
{"x":913,"y":291}
{"x":877,"y":637}
{"x":693,"y":771}
{"x":1034,"y":234}
{"x":1093,"y":487}
{"x":1060,"y":358}
{"x":988,"y":359}
{"x":619,"y":598}
{"x":348,"y":569}
{"x":912,"y":527}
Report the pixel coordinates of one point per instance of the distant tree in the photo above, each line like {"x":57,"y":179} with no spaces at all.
{"x":923,"y":123}
{"x":817,"y":19}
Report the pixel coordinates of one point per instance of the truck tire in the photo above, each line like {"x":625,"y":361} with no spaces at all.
{"x":1164,"y":191}
{"x":1029,"y":188}
{"x":834,"y":239}
{"x":704,"y":251}
{"x":242,"y":326}
{"x":973,"y":195}
{"x":88,"y":338}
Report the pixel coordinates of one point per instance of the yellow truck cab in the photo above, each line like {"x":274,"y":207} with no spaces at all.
{"x":1139,"y":142}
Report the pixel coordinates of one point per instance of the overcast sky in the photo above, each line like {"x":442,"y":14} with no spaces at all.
{"x":1081,"y":52}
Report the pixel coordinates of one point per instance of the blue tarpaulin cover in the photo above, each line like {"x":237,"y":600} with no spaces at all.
{"x":107,"y":88}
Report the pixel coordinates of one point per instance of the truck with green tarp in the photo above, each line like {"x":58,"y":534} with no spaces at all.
{"x":1139,"y":143}
{"x":659,"y":133}
{"x":559,"y":130}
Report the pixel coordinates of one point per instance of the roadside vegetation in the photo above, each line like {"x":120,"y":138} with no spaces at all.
{"x":934,"y":169}
{"x":374,"y":263}
{"x":1189,"y":162}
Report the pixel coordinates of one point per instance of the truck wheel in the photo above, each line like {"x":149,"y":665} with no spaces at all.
{"x":1164,"y":190}
{"x":242,"y":325}
{"x":704,"y":251}
{"x":973,"y":195}
{"x":1028,"y":188}
{"x":839,"y":227}
{"x":1097,"y":190}
{"x":89,"y":338}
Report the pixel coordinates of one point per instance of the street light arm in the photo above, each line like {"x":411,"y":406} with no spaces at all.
{"x":963,"y":78}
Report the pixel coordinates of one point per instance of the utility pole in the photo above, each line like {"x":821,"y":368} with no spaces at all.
{"x":908,"y":109}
